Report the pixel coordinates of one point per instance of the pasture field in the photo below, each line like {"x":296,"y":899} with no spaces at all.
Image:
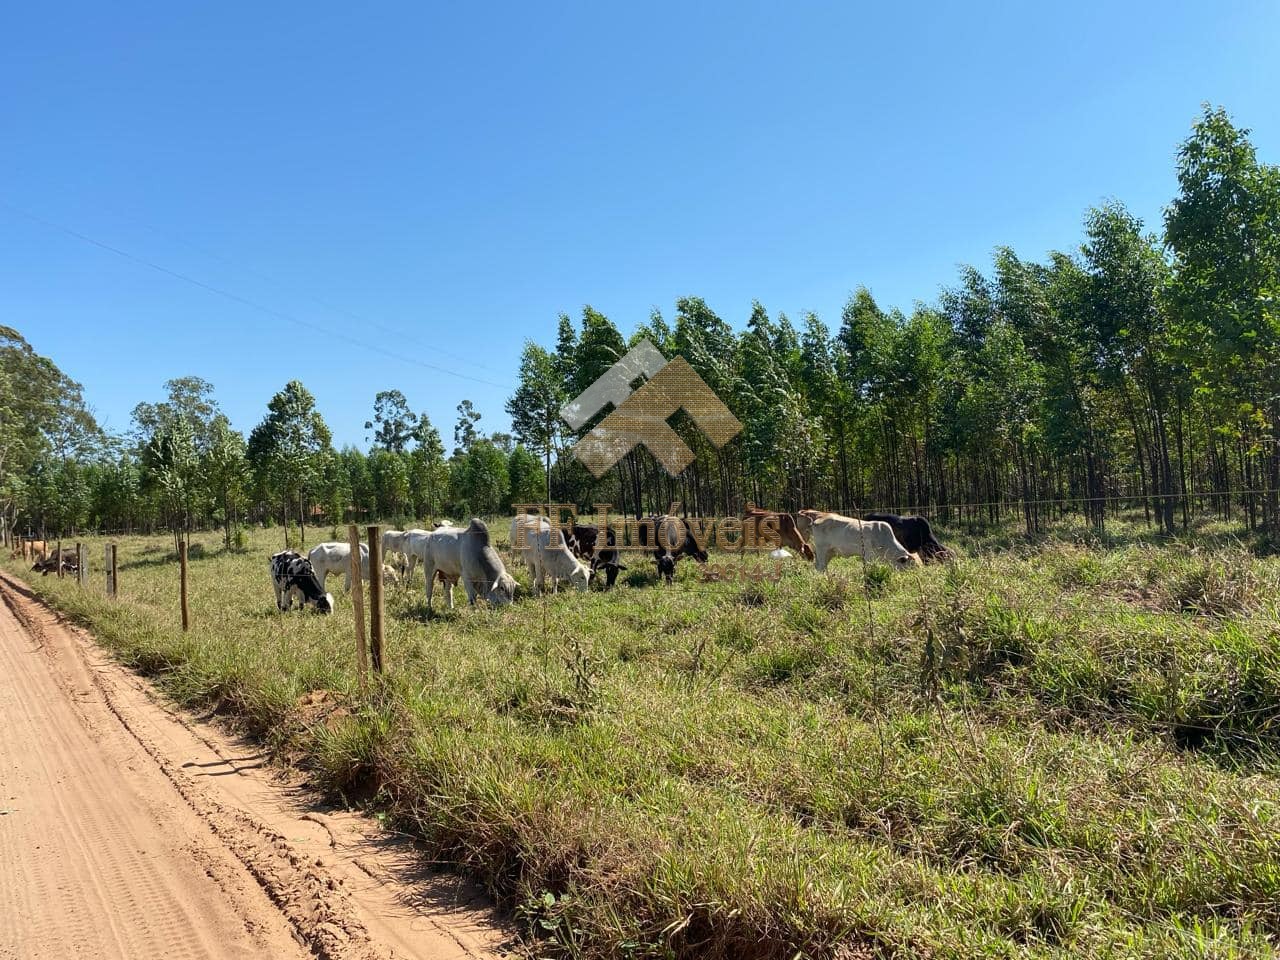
{"x":1062,"y":749}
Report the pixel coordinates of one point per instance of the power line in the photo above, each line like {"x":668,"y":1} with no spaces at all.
{"x":245,"y":301}
{"x":205,"y":251}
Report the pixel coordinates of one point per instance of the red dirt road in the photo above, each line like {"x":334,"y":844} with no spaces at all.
{"x":129,"y":831}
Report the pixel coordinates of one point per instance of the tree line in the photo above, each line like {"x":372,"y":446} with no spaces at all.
{"x":1137,"y":369}
{"x":183,"y":466}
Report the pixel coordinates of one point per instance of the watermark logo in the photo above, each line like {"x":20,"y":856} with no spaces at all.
{"x":639,"y":417}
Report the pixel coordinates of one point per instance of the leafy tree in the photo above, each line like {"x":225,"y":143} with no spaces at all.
{"x":390,"y":473}
{"x":428,"y":472}
{"x":288,"y":449}
{"x":395,"y":423}
{"x":526,"y":480}
{"x":464,"y":431}
{"x":42,"y":412}
{"x":535,"y":406}
{"x":1224,"y":230}
{"x":480,"y":479}
{"x":226,"y":473}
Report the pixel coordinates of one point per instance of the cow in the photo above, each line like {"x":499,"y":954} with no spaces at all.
{"x":438,"y":550}
{"x":804,"y":523}
{"x":788,"y":533}
{"x":662,"y":532}
{"x":915,"y":534}
{"x":483,"y":574}
{"x":295,"y":578}
{"x":334,"y":557}
{"x":400,"y":543}
{"x":839,"y":536}
{"x":393,"y":551}
{"x":50,"y":564}
{"x":547,"y":552}
{"x":583,"y":543}
{"x":33,"y":548}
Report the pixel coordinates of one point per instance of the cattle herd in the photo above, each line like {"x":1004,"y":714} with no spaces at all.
{"x":573,"y":555}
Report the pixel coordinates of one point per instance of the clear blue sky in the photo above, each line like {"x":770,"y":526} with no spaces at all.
{"x":463,"y":176}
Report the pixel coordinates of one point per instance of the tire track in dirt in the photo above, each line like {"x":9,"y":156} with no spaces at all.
{"x":130,"y":831}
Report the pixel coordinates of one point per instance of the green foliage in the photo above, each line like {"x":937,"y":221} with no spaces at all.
{"x":479,"y":481}
{"x":394,"y":425}
{"x":526,"y":480}
{"x":289,"y":449}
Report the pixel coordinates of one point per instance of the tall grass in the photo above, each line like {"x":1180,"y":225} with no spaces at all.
{"x":1056,"y":750}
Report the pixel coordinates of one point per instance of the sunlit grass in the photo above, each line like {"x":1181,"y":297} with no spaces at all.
{"x":1055,"y":749}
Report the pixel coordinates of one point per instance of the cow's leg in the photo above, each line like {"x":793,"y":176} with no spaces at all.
{"x":431,"y":581}
{"x":821,"y":557}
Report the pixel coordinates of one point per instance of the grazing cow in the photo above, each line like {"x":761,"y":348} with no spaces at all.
{"x":295,"y":578}
{"x":441,"y":556}
{"x":400,"y":543}
{"x":804,"y":524}
{"x":915,"y":534}
{"x":50,"y":564}
{"x":583,"y":543}
{"x":483,"y":574}
{"x":665,"y":531}
{"x":333,"y":557}
{"x":838,"y":536}
{"x":547,"y":552}
{"x":786,"y":526}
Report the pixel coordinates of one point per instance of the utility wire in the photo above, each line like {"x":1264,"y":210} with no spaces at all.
{"x":385,"y":328}
{"x":245,"y":301}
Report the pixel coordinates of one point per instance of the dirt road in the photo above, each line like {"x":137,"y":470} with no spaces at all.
{"x":131,"y":831}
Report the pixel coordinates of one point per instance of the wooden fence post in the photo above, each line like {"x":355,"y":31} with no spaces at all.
{"x":82,"y":565}
{"x":375,"y":597}
{"x":357,"y":603}
{"x":59,"y":557}
{"x":112,"y":570}
{"x":182,"y":592}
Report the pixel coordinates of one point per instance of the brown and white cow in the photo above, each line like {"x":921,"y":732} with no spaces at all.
{"x":786,"y":526}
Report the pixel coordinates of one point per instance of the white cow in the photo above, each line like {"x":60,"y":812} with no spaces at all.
{"x":547,"y":553}
{"x":397,"y":542}
{"x":834,"y":535}
{"x":333,"y":557}
{"x":483,"y":573}
{"x":440,"y":553}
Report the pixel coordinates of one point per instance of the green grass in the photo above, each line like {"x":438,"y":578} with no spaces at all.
{"x":1059,"y":749}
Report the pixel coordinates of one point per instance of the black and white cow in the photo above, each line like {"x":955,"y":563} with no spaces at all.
{"x":295,"y":578}
{"x":663,"y":532}
{"x":915,"y":534}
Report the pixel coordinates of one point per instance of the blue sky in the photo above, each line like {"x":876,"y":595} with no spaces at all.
{"x":439,"y":184}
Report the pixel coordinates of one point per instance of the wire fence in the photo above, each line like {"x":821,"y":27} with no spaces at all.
{"x":737,"y":584}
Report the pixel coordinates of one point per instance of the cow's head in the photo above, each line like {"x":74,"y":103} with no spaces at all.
{"x":503,"y":590}
{"x":610,"y":568}
{"x":667,"y":567}
{"x":581,"y":576}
